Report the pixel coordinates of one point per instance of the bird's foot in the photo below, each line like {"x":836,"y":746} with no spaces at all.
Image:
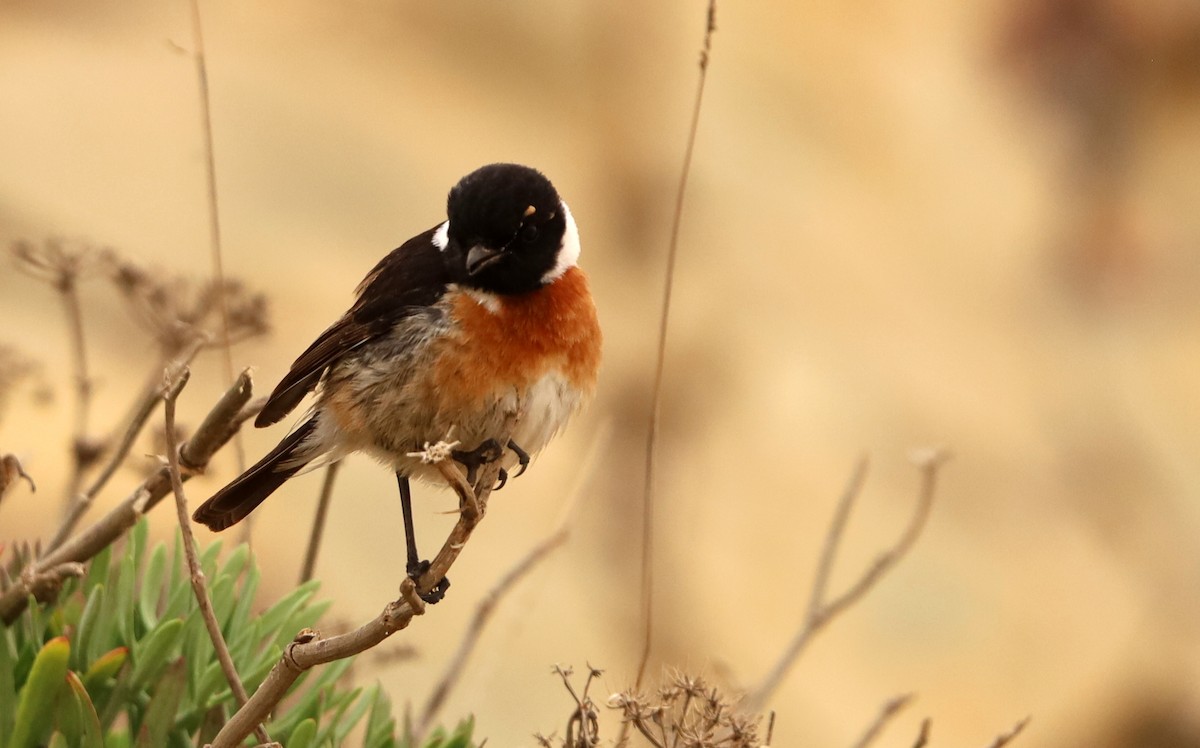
{"x":472,"y":459}
{"x":437,"y":592}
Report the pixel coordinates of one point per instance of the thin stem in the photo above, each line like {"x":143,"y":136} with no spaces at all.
{"x":318,"y":528}
{"x":214,"y":219}
{"x":647,"y":582}
{"x":820,"y":610}
{"x":81,"y":450}
{"x":173,"y":385}
{"x":141,"y":413}
{"x":488,"y":604}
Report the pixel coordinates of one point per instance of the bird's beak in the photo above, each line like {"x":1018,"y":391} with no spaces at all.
{"x":480,"y":257}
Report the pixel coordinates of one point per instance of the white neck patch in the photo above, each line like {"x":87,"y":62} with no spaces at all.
{"x":568,"y":253}
{"x":441,"y":236}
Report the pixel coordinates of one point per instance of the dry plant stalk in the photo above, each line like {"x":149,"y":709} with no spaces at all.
{"x":137,"y":420}
{"x":822,"y":610}
{"x":647,"y":581}
{"x":486,"y":606}
{"x":309,"y":649}
{"x":10,"y":473}
{"x":890,"y":709}
{"x":63,"y":264}
{"x":318,"y":528}
{"x":174,"y":381}
{"x":225,"y":418}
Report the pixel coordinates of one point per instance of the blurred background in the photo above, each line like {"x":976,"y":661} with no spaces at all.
{"x":973,"y":225}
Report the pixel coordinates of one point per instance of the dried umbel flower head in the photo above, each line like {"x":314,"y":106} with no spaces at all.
{"x":61,"y":262}
{"x":688,"y":713}
{"x":179,"y":310}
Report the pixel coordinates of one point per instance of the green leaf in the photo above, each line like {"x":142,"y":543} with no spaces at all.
{"x":87,"y":645}
{"x":46,"y":681}
{"x":98,"y":569}
{"x":106,"y":666}
{"x":117,"y":739}
{"x":58,"y":741}
{"x":160,"y":714}
{"x":151,"y":586}
{"x":86,"y":732}
{"x":151,"y":655}
{"x":304,"y":736}
{"x":8,"y":683}
{"x":381,"y":728}
{"x":135,"y":546}
{"x":124,"y":602}
{"x":236,"y":562}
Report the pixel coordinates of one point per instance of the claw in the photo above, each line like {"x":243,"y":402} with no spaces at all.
{"x":501,"y":479}
{"x":522,"y":457}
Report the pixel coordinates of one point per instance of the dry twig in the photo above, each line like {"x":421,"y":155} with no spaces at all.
{"x":318,"y":528}
{"x":890,"y":709}
{"x":1005,"y":738}
{"x":11,"y":472}
{"x":173,"y":383}
{"x":141,"y":413}
{"x":214,"y":217}
{"x":656,"y":396}
{"x":487,"y":605}
{"x":310,"y":649}
{"x":226,"y":417}
{"x":63,"y":266}
{"x":822,"y":610}
{"x":923,"y":734}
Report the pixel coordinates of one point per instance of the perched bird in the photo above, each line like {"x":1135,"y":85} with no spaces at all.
{"x":482,"y":327}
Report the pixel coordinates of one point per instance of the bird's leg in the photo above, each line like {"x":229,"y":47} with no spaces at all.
{"x":522,"y":457}
{"x":472,"y":459}
{"x":415,"y":567}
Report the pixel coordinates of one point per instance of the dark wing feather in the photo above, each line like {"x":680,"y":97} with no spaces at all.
{"x":412,"y":276}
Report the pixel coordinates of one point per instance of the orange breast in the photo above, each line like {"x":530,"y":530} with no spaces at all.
{"x":525,"y":337}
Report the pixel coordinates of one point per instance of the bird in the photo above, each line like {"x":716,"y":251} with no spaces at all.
{"x":482,"y":327}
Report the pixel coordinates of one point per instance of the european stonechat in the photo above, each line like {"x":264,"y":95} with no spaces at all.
{"x":482,"y":326}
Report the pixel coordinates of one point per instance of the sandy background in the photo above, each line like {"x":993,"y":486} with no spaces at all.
{"x":965,"y":224}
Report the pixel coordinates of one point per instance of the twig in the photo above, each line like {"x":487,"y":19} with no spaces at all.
{"x":318,"y":528}
{"x":174,"y":381}
{"x":1005,"y":738}
{"x":310,"y":649}
{"x":656,"y":396}
{"x":214,"y":216}
{"x":820,"y":610}
{"x":142,"y":411}
{"x":226,"y":417}
{"x":890,"y":709}
{"x":487,"y":606}
{"x":922,"y":735}
{"x":82,"y":451}
{"x":11,"y":472}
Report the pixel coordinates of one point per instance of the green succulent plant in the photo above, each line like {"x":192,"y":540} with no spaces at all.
{"x":121,"y":659}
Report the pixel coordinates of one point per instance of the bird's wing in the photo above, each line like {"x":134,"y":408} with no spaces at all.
{"x":409,"y":278}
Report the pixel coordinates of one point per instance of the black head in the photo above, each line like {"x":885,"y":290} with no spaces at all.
{"x":509,"y":233}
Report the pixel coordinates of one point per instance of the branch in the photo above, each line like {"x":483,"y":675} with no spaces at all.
{"x":820,"y":610}
{"x":173,"y":383}
{"x":318,"y":528}
{"x":141,"y":413}
{"x":487,"y":605}
{"x":214,"y":217}
{"x":309,"y":649}
{"x":11,"y":472}
{"x":889,"y":710}
{"x":656,"y":396}
{"x":1005,"y":738}
{"x":226,"y":417}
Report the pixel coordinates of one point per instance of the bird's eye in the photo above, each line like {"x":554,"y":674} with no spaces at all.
{"x":529,"y":233}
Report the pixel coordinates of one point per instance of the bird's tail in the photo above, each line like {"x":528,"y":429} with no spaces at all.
{"x":232,"y":503}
